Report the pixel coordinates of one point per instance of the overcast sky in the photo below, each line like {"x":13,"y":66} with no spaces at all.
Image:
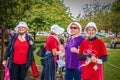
{"x":76,"y":5}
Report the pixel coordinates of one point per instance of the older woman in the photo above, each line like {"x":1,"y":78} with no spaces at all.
{"x":92,"y":54}
{"x":20,"y":53}
{"x":52,"y":50}
{"x":73,"y":64}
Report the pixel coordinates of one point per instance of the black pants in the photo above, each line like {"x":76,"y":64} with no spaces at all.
{"x":18,"y":72}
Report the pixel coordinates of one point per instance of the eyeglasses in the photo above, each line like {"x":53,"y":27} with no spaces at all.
{"x":73,"y":27}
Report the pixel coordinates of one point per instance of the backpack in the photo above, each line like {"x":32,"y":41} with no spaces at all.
{"x":41,"y":51}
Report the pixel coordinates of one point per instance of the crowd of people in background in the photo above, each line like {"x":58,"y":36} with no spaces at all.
{"x":78,"y":57}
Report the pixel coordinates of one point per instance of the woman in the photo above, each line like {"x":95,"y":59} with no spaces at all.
{"x":92,"y":54}
{"x":20,"y":53}
{"x":52,"y":50}
{"x":72,"y":65}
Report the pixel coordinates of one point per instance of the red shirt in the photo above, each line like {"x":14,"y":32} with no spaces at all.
{"x":20,"y":52}
{"x":52,"y":43}
{"x":97,"y":48}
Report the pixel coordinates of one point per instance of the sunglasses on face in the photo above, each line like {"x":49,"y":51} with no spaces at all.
{"x":73,"y":27}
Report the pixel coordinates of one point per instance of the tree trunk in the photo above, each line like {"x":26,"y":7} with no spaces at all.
{"x":2,"y":51}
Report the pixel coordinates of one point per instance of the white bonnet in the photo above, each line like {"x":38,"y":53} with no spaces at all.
{"x":90,"y":24}
{"x":23,"y":24}
{"x":78,"y":24}
{"x":56,"y":29}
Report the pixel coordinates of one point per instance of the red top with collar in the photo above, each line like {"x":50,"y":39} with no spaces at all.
{"x":20,"y":52}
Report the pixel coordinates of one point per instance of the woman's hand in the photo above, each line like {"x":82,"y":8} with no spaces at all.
{"x":31,"y":42}
{"x":4,"y":63}
{"x":93,"y":59}
{"x":87,"y":62}
{"x":74,"y":49}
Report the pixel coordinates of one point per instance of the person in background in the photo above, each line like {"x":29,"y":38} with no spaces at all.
{"x":52,"y":50}
{"x":116,"y":41}
{"x":61,"y":58}
{"x":72,"y":62}
{"x":92,"y":53}
{"x":20,"y":53}
{"x":112,"y":42}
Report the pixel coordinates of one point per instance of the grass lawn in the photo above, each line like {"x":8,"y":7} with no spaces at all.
{"x":37,"y":58}
{"x":111,"y":73}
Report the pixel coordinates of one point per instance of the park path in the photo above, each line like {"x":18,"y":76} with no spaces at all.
{"x":30,"y":76}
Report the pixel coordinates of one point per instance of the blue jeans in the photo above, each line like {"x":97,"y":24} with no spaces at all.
{"x":48,"y":72}
{"x":72,"y":74}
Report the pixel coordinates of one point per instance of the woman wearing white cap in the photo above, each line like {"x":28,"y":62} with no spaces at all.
{"x":92,"y":54}
{"x":73,"y":71}
{"x":20,"y":53}
{"x":52,"y":50}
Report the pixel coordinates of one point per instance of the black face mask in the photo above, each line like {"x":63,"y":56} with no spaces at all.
{"x":21,"y":33}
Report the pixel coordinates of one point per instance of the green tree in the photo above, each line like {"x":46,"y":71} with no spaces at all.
{"x":13,"y":11}
{"x":45,"y":14}
{"x":90,"y":10}
{"x":116,"y":6}
{"x":104,"y":18}
{"x":115,"y":16}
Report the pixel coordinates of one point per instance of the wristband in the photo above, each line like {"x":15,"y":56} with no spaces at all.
{"x":99,"y":61}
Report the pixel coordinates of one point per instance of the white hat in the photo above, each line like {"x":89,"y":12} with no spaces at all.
{"x":56,"y":29}
{"x":23,"y":24}
{"x":78,"y":24}
{"x":91,"y":24}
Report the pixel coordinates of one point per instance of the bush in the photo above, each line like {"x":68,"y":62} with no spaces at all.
{"x":41,"y":37}
{"x":39,"y":41}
